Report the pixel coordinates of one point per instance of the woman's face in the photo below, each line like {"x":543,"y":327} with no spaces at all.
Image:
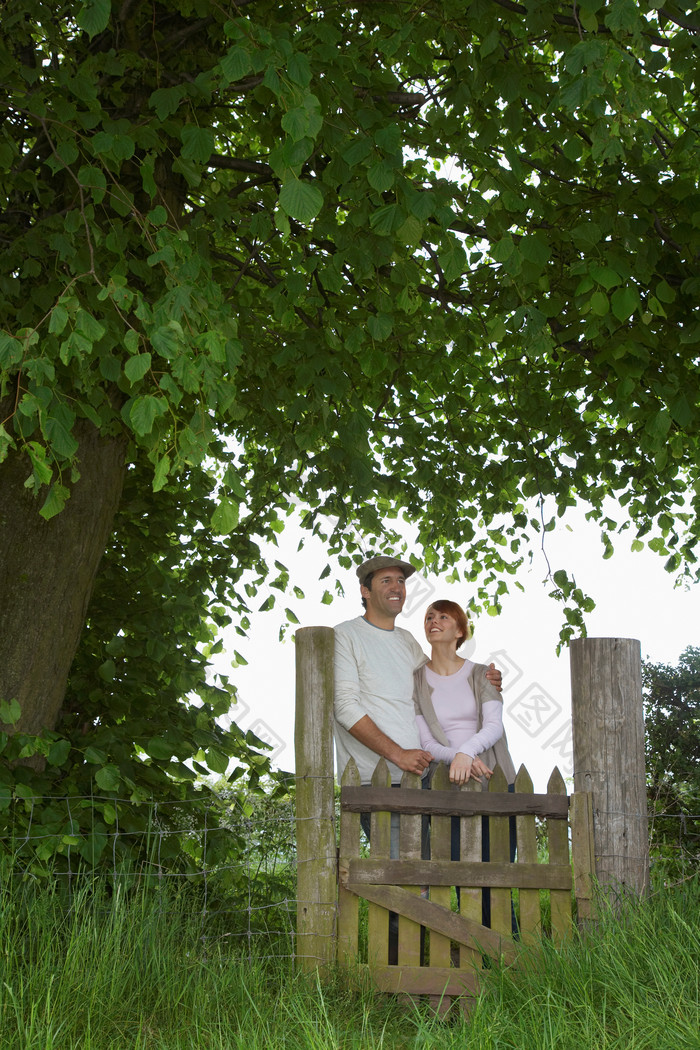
{"x":441,"y":627}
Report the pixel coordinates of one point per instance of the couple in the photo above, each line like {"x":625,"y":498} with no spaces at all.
{"x":393,"y":701}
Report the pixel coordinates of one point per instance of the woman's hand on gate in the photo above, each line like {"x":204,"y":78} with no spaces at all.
{"x":464,"y":768}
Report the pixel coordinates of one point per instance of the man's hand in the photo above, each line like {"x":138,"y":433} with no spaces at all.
{"x":495,"y":677}
{"x":411,"y":760}
{"x":464,"y":768}
{"x":414,"y":760}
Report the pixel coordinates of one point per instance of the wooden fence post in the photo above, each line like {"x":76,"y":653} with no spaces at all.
{"x":315,"y":803}
{"x":608,"y":737}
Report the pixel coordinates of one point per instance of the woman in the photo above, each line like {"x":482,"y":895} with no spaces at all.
{"x":459,"y":713}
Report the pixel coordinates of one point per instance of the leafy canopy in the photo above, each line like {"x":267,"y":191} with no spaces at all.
{"x":441,"y":259}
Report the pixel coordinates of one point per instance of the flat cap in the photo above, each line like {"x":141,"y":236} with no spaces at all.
{"x":383,"y":561}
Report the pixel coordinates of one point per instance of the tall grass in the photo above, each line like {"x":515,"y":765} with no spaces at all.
{"x":135,"y":970}
{"x":632,"y":982}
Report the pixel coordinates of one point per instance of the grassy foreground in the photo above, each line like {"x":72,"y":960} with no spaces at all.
{"x":137,"y":972}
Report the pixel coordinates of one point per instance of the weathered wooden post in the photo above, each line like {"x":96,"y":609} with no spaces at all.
{"x":608,"y":738}
{"x":315,"y":806}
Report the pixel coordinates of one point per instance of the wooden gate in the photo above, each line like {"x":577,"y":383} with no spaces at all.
{"x":442,"y":944}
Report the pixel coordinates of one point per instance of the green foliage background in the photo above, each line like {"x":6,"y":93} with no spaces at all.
{"x":672,"y":722}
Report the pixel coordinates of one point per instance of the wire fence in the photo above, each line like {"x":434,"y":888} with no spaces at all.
{"x":234,"y":855}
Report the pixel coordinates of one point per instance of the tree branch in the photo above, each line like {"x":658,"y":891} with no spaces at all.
{"x":678,"y":21}
{"x":573,"y":23}
{"x":399,"y":98}
{"x":255,"y":167}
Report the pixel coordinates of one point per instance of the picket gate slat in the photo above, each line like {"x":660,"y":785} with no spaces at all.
{"x":558,"y":840}
{"x":499,"y":853}
{"x":530,"y":924}
{"x":440,"y":849}
{"x":410,"y":849}
{"x":469,"y":897}
{"x":348,"y":903}
{"x":380,"y":833}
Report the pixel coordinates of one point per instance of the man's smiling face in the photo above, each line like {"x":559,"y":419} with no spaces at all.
{"x":386,"y":597}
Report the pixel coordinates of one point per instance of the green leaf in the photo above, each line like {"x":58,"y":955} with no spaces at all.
{"x":298,"y":69}
{"x":136,"y":367}
{"x":90,"y":327}
{"x":225,"y":518}
{"x":624,"y":302}
{"x":159,"y":749}
{"x":107,"y":670}
{"x":55,"y":501}
{"x":167,"y":340}
{"x":217,"y":761}
{"x":300,"y":200}
{"x":144,"y":412}
{"x":60,"y":437}
{"x":10,"y":712}
{"x":386,"y":219}
{"x":380,"y":326}
{"x":58,"y":319}
{"x":389,"y":138}
{"x":161,"y":472}
{"x":535,"y":249}
{"x":681,"y":411}
{"x":605,"y":276}
{"x":381,"y":176}
{"x":166,"y":101}
{"x":95,"y":756}
{"x":600,"y":304}
{"x":303,"y":121}
{"x":93,"y":16}
{"x":93,"y":178}
{"x":665,"y":293}
{"x":59,"y":752}
{"x":453,"y":262}
{"x":503,"y":249}
{"x":235,"y":64}
{"x":108,"y":778}
{"x":198,"y":144}
{"x":11,"y":351}
{"x":40,"y":465}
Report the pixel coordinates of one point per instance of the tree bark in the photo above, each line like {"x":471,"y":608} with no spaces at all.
{"x":47,"y":572}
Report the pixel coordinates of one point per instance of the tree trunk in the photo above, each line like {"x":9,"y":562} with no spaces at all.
{"x":47,"y":572}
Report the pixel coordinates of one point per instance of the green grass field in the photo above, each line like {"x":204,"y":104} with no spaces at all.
{"x":114,"y":973}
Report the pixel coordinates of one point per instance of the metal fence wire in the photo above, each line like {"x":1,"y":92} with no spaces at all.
{"x":235,"y":855}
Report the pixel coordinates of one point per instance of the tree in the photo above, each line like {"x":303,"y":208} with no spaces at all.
{"x":357,"y":261}
{"x":672,"y":722}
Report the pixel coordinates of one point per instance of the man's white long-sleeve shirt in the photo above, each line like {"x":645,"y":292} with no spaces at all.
{"x":374,"y":676}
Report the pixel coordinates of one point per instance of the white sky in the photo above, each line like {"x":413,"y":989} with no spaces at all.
{"x":635,"y":598}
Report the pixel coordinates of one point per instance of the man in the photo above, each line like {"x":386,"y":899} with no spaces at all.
{"x":374,"y":663}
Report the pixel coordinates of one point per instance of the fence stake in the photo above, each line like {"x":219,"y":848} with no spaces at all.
{"x":315,"y":809}
{"x":608,"y":737}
